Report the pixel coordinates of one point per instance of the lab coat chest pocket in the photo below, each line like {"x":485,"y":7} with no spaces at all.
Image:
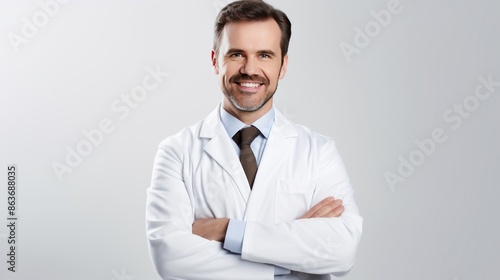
{"x":293,"y":199}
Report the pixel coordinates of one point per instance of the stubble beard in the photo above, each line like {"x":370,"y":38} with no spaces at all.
{"x":230,"y":95}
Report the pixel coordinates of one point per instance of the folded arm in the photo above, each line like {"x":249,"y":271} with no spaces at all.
{"x":322,"y":241}
{"x":176,"y":252}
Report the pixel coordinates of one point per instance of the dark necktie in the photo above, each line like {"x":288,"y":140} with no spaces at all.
{"x":244,"y":138}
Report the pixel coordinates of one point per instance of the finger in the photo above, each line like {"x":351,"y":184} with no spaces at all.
{"x":316,"y":207}
{"x":325,"y":210}
{"x":337,"y":212}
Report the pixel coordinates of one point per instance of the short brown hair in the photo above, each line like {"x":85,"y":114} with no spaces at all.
{"x":253,"y":10}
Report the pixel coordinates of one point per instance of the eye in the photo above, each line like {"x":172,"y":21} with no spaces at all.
{"x":235,"y":55}
{"x":264,"y":55}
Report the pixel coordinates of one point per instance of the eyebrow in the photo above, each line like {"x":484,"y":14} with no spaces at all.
{"x":234,"y":51}
{"x":269,"y":52}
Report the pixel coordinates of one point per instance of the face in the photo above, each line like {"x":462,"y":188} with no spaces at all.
{"x":249,"y":65}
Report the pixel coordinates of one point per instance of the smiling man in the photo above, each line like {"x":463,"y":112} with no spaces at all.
{"x":245,"y":193}
{"x":249,"y":62}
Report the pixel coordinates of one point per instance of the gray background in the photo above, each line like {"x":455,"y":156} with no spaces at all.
{"x":440,"y":223}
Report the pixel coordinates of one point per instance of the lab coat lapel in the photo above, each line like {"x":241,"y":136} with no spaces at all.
{"x":277,"y":151}
{"x":220,"y":149}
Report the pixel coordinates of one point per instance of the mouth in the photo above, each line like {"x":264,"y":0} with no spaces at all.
{"x":249,"y":86}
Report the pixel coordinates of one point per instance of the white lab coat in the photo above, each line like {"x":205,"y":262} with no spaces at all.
{"x":197,"y":174}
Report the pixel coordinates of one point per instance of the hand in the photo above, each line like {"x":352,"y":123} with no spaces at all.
{"x":327,"y":208}
{"x":211,"y":229}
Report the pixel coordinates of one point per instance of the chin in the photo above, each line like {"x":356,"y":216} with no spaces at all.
{"x":247,"y":108}
{"x":240,"y":100}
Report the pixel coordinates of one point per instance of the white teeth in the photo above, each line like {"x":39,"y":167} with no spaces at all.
{"x":249,"y":85}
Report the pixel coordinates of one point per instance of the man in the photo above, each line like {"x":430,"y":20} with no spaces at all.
{"x":245,"y":193}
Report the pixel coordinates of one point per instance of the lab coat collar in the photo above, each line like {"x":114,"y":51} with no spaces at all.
{"x":212,"y":125}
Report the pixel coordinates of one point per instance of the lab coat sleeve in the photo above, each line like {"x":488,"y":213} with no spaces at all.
{"x":316,"y":245}
{"x":176,"y":252}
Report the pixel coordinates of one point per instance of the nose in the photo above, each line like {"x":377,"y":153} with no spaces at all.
{"x":249,"y":67}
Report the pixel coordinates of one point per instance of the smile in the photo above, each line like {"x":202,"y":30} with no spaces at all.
{"x":251,"y":85}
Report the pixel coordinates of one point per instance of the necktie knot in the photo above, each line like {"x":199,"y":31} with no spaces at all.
{"x":246,"y":136}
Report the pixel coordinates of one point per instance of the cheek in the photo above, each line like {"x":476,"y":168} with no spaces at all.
{"x":228,"y":71}
{"x":225,"y":80}
{"x":273,"y":77}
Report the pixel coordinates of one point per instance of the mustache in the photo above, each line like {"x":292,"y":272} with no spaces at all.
{"x":244,"y":77}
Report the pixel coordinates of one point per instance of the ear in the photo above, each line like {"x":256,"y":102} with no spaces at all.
{"x":214,"y":62}
{"x":284,"y":66}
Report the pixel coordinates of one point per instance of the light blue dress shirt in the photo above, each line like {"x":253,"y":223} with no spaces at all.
{"x":236,"y":228}
{"x":264,"y":124}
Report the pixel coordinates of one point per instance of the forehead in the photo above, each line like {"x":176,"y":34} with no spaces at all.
{"x":251,"y":36}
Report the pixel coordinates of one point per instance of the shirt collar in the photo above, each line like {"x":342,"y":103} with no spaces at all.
{"x":233,"y":125}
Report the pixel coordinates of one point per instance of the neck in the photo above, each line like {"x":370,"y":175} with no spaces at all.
{"x":245,"y":116}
